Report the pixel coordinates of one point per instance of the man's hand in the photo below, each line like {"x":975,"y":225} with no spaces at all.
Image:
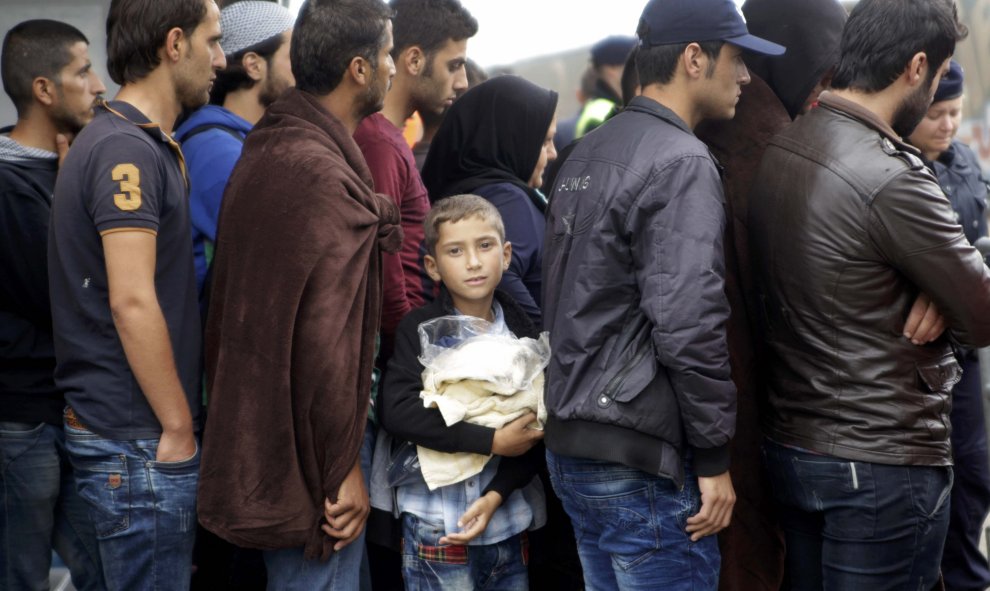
{"x":475,"y":519}
{"x":61,"y":147}
{"x":717,"y":499}
{"x":176,"y":445}
{"x":515,"y":439}
{"x":346,"y":517}
{"x":924,"y":323}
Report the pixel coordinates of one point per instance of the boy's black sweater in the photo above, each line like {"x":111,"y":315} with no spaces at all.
{"x":27,"y":353}
{"x":401,"y":411}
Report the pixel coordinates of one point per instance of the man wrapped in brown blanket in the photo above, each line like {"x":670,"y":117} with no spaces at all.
{"x":295,"y":308}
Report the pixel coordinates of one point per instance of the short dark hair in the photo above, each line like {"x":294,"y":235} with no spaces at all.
{"x":234,"y":77}
{"x":428,"y":24}
{"x":657,"y":64}
{"x":454,"y":209}
{"x":881,"y":37}
{"x":137,"y":30}
{"x":329,"y":34}
{"x":31,"y":49}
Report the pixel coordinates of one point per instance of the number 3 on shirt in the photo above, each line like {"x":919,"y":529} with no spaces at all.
{"x":129,"y":178}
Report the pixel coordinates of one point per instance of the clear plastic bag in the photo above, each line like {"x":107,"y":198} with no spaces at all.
{"x":456,"y":348}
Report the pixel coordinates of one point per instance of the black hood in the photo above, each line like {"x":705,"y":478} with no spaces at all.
{"x":810,"y":30}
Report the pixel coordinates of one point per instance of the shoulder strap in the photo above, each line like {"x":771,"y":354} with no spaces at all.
{"x":208,"y":126}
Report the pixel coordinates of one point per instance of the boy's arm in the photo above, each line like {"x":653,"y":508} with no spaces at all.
{"x":517,"y":472}
{"x":401,"y":411}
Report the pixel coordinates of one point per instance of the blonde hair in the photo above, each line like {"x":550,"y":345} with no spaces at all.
{"x":456,"y":208}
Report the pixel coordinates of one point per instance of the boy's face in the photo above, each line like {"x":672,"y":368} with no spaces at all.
{"x":470,"y":259}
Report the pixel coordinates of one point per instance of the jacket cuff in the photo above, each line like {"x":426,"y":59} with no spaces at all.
{"x":711,"y":461}
{"x":476,"y":439}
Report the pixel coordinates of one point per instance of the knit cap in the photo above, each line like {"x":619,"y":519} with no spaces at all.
{"x":248,"y":23}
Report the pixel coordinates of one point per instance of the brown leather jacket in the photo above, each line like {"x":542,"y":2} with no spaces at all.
{"x":847,"y":226}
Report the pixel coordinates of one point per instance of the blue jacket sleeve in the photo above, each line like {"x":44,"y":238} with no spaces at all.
{"x":211,"y":156}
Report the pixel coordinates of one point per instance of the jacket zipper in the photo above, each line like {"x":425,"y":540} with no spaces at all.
{"x":620,"y":378}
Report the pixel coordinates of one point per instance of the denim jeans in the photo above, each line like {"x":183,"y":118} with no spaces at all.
{"x":289,"y":571}
{"x":144,"y":511}
{"x":428,"y":566}
{"x":858,"y":526}
{"x":41,"y":510}
{"x":630,"y":526}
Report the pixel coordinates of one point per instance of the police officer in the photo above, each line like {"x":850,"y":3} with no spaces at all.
{"x":959,"y":174}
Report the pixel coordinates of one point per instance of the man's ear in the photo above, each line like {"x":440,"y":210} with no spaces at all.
{"x":174,"y":41}
{"x":413,"y":60}
{"x":44,"y":90}
{"x":694,"y":60}
{"x":917,"y":68}
{"x":254,"y":65}
{"x":360,"y":71}
{"x":432,"y":270}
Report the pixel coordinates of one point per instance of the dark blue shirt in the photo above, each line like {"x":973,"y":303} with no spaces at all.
{"x":122,"y":173}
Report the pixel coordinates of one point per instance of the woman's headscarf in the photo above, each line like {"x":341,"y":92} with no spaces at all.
{"x":492,"y":134}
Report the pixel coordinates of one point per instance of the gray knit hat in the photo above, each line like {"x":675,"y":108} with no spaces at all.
{"x":250,"y":22}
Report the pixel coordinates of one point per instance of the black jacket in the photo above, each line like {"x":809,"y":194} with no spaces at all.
{"x":27,"y":355}
{"x":401,"y":411}
{"x":959,"y":174}
{"x":633,"y":280}
{"x":847,"y":226}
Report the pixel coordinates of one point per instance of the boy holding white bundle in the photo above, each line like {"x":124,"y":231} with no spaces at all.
{"x":466,"y":534}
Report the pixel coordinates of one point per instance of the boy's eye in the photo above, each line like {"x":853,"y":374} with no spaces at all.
{"x":454,"y":251}
{"x":486,"y":245}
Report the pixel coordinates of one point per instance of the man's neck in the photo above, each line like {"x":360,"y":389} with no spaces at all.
{"x":341,"y":105}
{"x":155,"y":97}
{"x":36,"y":131}
{"x":245,"y":104}
{"x":675,"y":99}
{"x":883,"y":104}
{"x":398,"y":104}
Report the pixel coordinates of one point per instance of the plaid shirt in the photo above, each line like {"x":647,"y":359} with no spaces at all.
{"x":523,"y":509}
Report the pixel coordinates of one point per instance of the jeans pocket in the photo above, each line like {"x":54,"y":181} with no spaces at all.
{"x":179,"y":465}
{"x":105,"y":486}
{"x":932,"y":488}
{"x":622,"y":512}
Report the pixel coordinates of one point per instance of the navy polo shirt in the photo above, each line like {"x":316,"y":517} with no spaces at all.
{"x":123,"y":173}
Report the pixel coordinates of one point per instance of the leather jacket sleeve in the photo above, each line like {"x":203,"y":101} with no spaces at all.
{"x":913,"y":226}
{"x":677,"y":227}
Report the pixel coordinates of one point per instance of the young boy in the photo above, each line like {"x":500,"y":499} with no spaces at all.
{"x":453,"y":537}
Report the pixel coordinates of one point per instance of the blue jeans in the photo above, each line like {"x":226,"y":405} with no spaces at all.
{"x":858,"y":526}
{"x":630,"y":526}
{"x":144,"y":511}
{"x":41,"y":510}
{"x":289,"y":571}
{"x":428,"y":566}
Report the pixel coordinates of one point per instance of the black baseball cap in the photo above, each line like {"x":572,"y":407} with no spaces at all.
{"x":668,"y":22}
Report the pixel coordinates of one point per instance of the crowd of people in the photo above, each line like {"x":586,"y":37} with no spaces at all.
{"x":720,"y":336}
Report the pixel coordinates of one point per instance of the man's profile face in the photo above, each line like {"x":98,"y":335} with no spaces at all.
{"x":202,"y":58}
{"x":914,"y":107}
{"x":278,"y":76}
{"x":380,"y":78}
{"x":77,"y":89}
{"x":723,"y":86}
{"x":443,"y":79}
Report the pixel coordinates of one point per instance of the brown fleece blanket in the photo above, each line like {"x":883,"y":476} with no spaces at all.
{"x":290,"y":338}
{"x":752,"y":546}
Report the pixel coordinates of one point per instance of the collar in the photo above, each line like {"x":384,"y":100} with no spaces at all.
{"x":131,"y":114}
{"x":865,"y":116}
{"x":649,"y":106}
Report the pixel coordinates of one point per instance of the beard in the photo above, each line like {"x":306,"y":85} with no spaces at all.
{"x":69,"y":122}
{"x":271,"y":89}
{"x":911,"y":110}
{"x":373,"y":99}
{"x":191,"y":95}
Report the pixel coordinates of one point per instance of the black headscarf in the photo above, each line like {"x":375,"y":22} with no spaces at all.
{"x":810,"y":30}
{"x":492,"y":134}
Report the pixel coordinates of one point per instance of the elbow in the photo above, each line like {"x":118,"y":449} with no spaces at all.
{"x":126,"y":307}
